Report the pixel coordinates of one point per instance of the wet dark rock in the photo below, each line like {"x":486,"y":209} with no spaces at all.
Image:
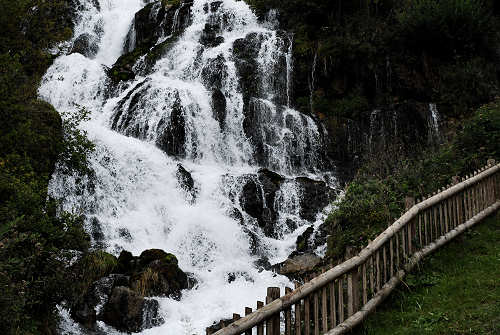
{"x":152,"y":22}
{"x":126,"y":262}
{"x":86,"y":45}
{"x":209,"y":36}
{"x":156,"y":20}
{"x":159,"y":275}
{"x":303,"y":241}
{"x":84,"y":311}
{"x":246,"y":51}
{"x":173,"y":139}
{"x":258,"y":195}
{"x":186,"y":182}
{"x":257,"y":199}
{"x":251,"y":200}
{"x":214,"y":72}
{"x":96,"y":231}
{"x":128,"y":311}
{"x":235,"y":214}
{"x":219,"y":105}
{"x":263,"y":264}
{"x":191,"y":281}
{"x":214,"y":6}
{"x":316,"y":195}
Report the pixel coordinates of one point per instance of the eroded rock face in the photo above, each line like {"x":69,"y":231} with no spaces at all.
{"x":257,"y":198}
{"x":316,"y":196}
{"x":128,"y":311}
{"x":397,"y":130}
{"x":158,"y":19}
{"x":219,"y":107}
{"x":173,"y":139}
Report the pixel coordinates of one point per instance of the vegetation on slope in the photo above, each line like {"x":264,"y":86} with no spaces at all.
{"x":448,"y":294}
{"x":369,"y":53}
{"x":35,"y":244}
{"x":375,"y":197}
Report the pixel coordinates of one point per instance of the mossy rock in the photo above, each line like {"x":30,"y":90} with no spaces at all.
{"x":151,"y":255}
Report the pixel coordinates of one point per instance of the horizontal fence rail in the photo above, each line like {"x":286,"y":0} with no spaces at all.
{"x":342,"y":297}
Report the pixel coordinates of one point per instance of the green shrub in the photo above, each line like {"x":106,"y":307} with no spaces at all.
{"x":465,"y":84}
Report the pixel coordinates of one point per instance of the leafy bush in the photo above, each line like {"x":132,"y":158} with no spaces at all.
{"x":466,"y":83}
{"x":368,"y":206}
{"x":36,"y":245}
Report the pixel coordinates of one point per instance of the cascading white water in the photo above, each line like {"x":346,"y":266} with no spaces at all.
{"x":134,"y":197}
{"x":433,"y":124}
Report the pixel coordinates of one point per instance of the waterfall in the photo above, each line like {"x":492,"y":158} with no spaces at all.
{"x":433,"y":124}
{"x":195,"y":108}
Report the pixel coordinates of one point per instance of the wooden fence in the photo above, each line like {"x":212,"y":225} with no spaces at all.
{"x":341,"y":298}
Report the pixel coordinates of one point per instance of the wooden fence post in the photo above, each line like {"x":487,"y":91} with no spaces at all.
{"x":260,"y":327}
{"x":248,"y":311}
{"x":273,"y":293}
{"x":298,"y":322}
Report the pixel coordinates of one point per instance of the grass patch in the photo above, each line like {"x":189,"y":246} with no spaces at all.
{"x":455,"y":291}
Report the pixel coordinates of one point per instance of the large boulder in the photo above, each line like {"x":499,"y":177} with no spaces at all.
{"x":85,"y":312}
{"x":128,"y":311}
{"x":86,"y":45}
{"x":298,"y":265}
{"x":156,"y":273}
{"x":118,"y":298}
{"x":258,"y":195}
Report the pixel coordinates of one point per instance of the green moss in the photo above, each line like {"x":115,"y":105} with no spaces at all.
{"x":171,"y":2}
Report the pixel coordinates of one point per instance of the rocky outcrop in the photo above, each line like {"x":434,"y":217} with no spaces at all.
{"x":128,"y":311}
{"x":257,"y":198}
{"x":383,"y":134}
{"x":186,"y":183}
{"x":118,"y":298}
{"x":158,"y":19}
{"x":173,"y":138}
{"x":259,"y":192}
{"x":298,"y":265}
{"x":214,"y":73}
{"x":158,"y":274}
{"x":316,"y":195}
{"x":219,"y":105}
{"x":86,"y":45}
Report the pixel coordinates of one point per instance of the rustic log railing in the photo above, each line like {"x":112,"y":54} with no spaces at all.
{"x":341,"y":298}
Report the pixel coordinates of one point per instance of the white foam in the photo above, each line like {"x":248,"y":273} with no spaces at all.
{"x":134,"y":194}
